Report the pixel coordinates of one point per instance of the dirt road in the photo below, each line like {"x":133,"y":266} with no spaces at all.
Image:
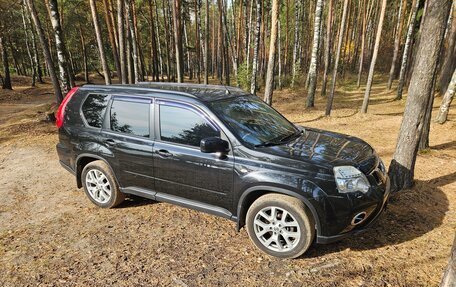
{"x":51,"y":235}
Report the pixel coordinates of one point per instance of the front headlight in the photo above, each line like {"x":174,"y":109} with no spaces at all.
{"x":350,"y":179}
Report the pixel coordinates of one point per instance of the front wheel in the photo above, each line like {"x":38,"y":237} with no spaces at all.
{"x":280,"y":225}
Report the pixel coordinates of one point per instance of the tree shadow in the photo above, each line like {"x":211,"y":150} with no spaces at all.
{"x":411,"y":214}
{"x":448,"y":145}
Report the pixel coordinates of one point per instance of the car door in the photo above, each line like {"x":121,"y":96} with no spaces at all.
{"x":181,"y":169}
{"x":128,"y":134}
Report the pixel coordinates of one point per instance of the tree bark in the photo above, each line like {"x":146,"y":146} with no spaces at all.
{"x":449,"y":62}
{"x":27,"y":44}
{"x":449,"y":278}
{"x":253,"y":83}
{"x":134,"y":43}
{"x":328,"y":45}
{"x":104,"y":63}
{"x":6,"y":84}
{"x":272,"y":53}
{"x":84,"y":55}
{"x":446,"y":101}
{"x":197,"y":42}
{"x":336,"y":64}
{"x":123,"y":75}
{"x":312,"y":75}
{"x":296,"y":44}
{"x":374,"y":59}
{"x":402,"y":167}
{"x":178,"y":40}
{"x":397,"y":41}
{"x":62,"y":60}
{"x":206,"y":46}
{"x":46,"y":51}
{"x":407,"y":47}
{"x":112,"y":37}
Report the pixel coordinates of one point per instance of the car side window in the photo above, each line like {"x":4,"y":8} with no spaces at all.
{"x":130,"y":117}
{"x":184,"y":126}
{"x":94,"y":108}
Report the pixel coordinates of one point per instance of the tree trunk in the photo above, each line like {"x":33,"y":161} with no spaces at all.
{"x":36,"y":57}
{"x":206,"y":46}
{"x":279,"y":46}
{"x":446,"y":101}
{"x":449,"y":277}
{"x":449,"y":62}
{"x":312,"y":75}
{"x":153,"y":45}
{"x":123,"y":75}
{"x":407,"y":46}
{"x":296,"y":44}
{"x":167,"y":44}
{"x":46,"y":51}
{"x":84,"y":55}
{"x":397,"y":41}
{"x":328,"y":45}
{"x":253,"y":84}
{"x":402,"y":167}
{"x":272,"y":53}
{"x":7,"y":79}
{"x":197,"y":42}
{"x":111,"y":36}
{"x":134,"y":44}
{"x":178,"y":40}
{"x":104,"y":63}
{"x":62,"y":60}
{"x":374,"y":59}
{"x":27,"y":44}
{"x":336,"y":64}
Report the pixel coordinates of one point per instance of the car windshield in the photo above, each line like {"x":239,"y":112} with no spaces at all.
{"x":253,"y":122}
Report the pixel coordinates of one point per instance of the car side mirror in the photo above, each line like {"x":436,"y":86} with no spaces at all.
{"x":214,"y":145}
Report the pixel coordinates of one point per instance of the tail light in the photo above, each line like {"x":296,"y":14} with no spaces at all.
{"x":61,"y":111}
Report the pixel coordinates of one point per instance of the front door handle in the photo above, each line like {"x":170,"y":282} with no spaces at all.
{"x":164,"y":153}
{"x":110,"y":142}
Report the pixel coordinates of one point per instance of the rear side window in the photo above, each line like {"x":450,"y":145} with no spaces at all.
{"x":94,"y":108}
{"x":130,"y":118}
{"x":180,"y":125}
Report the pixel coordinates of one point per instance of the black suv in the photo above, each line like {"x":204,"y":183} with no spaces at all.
{"x":220,"y":150}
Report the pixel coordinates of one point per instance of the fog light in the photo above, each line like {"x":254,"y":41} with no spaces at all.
{"x":359,"y":218}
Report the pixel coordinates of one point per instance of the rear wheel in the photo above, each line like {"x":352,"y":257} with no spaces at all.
{"x":280,"y":225}
{"x":100,"y":185}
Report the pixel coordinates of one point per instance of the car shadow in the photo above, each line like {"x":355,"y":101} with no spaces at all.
{"x":410,"y":214}
{"x":135,"y":201}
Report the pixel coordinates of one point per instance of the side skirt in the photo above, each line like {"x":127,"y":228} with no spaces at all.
{"x":177,"y":200}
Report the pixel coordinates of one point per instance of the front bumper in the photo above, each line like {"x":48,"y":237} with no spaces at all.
{"x":365,"y":226}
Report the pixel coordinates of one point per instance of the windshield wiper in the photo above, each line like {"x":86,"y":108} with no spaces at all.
{"x":290,"y":136}
{"x":267,"y":143}
{"x":279,"y":141}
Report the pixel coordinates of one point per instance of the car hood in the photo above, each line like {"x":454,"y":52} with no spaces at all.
{"x":327,"y":149}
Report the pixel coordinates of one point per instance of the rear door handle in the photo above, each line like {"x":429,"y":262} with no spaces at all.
{"x":164,"y":153}
{"x":110,"y":142}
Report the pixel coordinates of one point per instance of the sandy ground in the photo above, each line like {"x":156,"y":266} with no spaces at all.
{"x":51,"y":235}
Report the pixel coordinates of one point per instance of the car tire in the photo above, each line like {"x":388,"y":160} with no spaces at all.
{"x":280,"y":225}
{"x":100,"y":185}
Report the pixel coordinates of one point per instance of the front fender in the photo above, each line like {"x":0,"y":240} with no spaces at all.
{"x":242,"y":207}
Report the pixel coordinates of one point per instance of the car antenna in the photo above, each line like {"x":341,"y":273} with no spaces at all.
{"x":227,"y":91}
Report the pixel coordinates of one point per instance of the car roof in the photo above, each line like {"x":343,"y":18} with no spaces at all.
{"x":205,"y":93}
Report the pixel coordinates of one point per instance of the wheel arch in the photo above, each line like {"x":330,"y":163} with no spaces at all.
{"x":253,"y":193}
{"x":82,"y":160}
